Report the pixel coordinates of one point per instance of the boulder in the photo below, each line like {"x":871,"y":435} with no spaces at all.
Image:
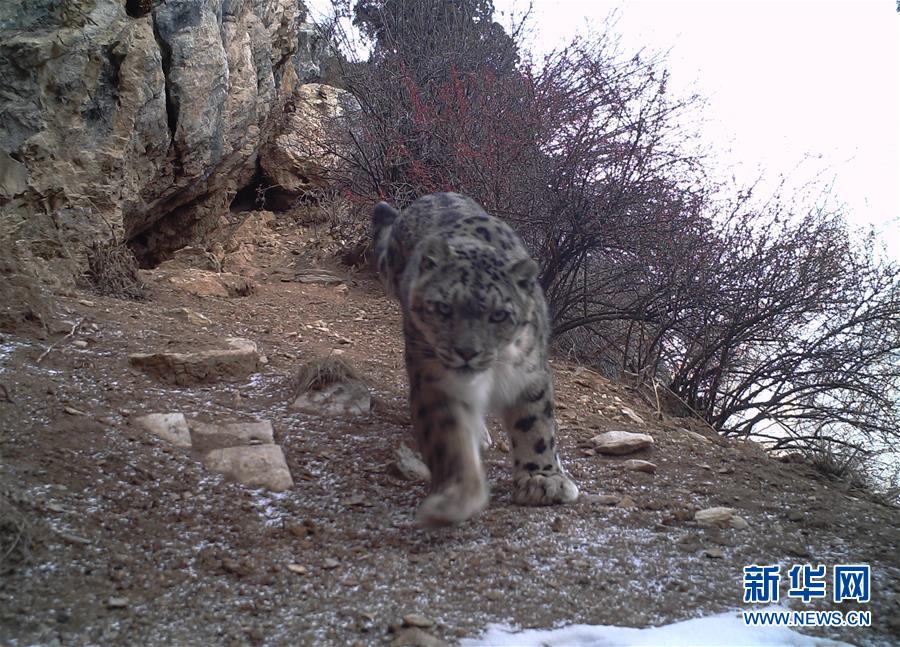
{"x":296,"y":161}
{"x":257,"y":466}
{"x":236,"y":362}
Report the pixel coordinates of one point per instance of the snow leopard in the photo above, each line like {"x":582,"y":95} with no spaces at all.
{"x":476,"y":327}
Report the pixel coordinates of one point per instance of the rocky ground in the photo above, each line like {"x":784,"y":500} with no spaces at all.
{"x":113,"y":535}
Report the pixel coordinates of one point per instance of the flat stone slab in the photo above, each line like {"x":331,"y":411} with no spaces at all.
{"x":621,"y":442}
{"x":257,"y":466}
{"x":209,"y":436}
{"x":236,"y":362}
{"x":171,"y":427}
{"x":350,"y":398}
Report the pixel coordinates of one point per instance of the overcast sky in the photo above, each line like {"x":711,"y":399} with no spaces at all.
{"x":786,"y":81}
{"x":793,"y":87}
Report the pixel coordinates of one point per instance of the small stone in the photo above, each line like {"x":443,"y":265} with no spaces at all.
{"x":626,"y":502}
{"x":253,"y":465}
{"x":694,"y":435}
{"x":713,"y":516}
{"x":171,"y":427}
{"x":80,"y":343}
{"x":636,"y":465}
{"x":330,"y":563}
{"x":557,"y":524}
{"x":713,"y":553}
{"x":621,"y":442}
{"x":415,"y":637}
{"x":794,"y":515}
{"x":417,"y":620}
{"x":738,"y":523}
{"x":186,"y":314}
{"x":601,"y":499}
{"x":297,"y":568}
{"x":72,"y":411}
{"x":85,"y":302}
{"x":117,"y":603}
{"x":409,"y":466}
{"x":631,"y":415}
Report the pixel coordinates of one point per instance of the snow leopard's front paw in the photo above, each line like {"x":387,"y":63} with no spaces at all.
{"x":530,"y":488}
{"x":453,"y":503}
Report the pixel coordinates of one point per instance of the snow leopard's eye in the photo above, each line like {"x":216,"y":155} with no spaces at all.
{"x":498,"y":316}
{"x":443,"y":309}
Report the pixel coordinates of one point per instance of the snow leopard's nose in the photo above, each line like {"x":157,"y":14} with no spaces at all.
{"x":468,"y":354}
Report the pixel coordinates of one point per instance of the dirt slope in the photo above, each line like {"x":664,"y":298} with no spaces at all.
{"x":132,"y":541}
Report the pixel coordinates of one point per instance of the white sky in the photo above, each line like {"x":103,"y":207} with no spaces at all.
{"x":786,"y":81}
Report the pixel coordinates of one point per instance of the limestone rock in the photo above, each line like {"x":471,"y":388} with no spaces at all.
{"x":409,"y":466}
{"x":295,"y":159}
{"x":631,"y":415}
{"x":252,"y":465}
{"x":205,"y":283}
{"x":738,"y":523}
{"x":207,"y":436}
{"x":636,"y":465}
{"x":237,"y":362}
{"x":171,"y":427}
{"x":415,"y":637}
{"x":713,"y":516}
{"x":417,"y":620}
{"x":348,"y":398}
{"x":149,"y":122}
{"x":186,"y":314}
{"x":621,"y":442}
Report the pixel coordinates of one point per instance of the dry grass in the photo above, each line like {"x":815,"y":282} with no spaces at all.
{"x":113,"y":271}
{"x":322,"y":372}
{"x":15,"y":535}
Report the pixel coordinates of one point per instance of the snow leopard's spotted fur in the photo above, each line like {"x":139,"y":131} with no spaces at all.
{"x":475,"y":324}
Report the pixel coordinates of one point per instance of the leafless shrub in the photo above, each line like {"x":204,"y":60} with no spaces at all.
{"x":15,"y":535}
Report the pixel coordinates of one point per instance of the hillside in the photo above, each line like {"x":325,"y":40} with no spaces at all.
{"x":111,"y":534}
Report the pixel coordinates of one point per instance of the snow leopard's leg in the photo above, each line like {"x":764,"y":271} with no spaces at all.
{"x":448,"y":432}
{"x":538,"y":475}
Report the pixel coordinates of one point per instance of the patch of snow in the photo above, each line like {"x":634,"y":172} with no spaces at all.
{"x":712,"y":631}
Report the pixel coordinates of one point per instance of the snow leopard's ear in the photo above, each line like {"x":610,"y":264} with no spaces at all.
{"x":383,"y":215}
{"x":435,"y":252}
{"x":524,"y":273}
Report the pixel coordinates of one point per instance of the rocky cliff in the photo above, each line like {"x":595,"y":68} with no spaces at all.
{"x":137,"y":118}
